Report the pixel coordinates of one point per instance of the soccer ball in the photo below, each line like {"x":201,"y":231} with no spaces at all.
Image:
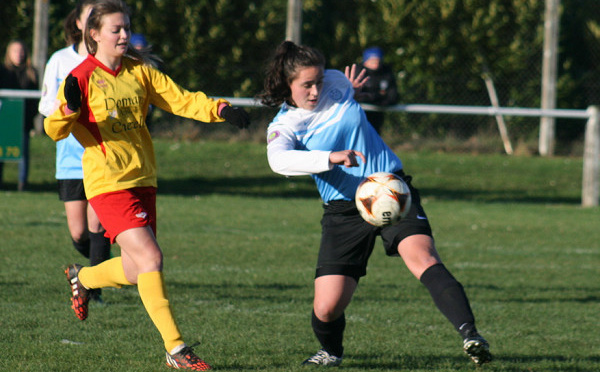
{"x":383,"y":199}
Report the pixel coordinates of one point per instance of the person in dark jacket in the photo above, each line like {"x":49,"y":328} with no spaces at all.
{"x":380,"y":88}
{"x":18,"y":73}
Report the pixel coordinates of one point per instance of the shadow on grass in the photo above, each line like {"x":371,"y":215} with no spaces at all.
{"x":496,"y":196}
{"x":540,"y":294}
{"x":553,"y":298}
{"x":31,"y":187}
{"x":274,"y":292}
{"x":304,"y":187}
{"x":512,"y":363}
{"x":533,"y":294}
{"x":266,"y":186}
{"x":392,"y":293}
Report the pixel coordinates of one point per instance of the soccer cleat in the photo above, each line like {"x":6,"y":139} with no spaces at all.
{"x":478,"y":349}
{"x":186,"y":359}
{"x":80,"y":295}
{"x":323,"y":358}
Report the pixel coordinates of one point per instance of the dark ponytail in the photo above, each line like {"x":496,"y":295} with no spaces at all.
{"x":74,"y":35}
{"x":283,"y":69}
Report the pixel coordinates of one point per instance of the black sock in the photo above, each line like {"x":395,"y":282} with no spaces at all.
{"x":330,"y":334}
{"x":450,"y":298}
{"x":99,"y":248}
{"x":468,"y":330}
{"x":83,"y":247}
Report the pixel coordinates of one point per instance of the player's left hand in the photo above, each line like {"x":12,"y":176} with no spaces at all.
{"x":357,"y":81}
{"x":72,"y":93}
{"x":347,"y":158}
{"x":236,"y":116}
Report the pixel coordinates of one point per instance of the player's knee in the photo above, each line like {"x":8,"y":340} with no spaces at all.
{"x":151,"y":261}
{"x":96,"y":228}
{"x":79,"y":237}
{"x":327,"y":312}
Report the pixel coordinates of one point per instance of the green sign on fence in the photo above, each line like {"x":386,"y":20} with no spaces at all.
{"x":11,"y":128}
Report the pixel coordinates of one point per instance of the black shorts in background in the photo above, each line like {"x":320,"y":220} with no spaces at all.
{"x":71,"y":190}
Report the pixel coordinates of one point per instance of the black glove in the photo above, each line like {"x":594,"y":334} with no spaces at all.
{"x":236,"y":116}
{"x":72,"y":93}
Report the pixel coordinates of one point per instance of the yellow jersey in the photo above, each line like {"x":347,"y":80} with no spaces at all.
{"x":111,"y":123}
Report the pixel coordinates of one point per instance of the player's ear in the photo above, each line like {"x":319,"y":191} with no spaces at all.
{"x":95,"y":35}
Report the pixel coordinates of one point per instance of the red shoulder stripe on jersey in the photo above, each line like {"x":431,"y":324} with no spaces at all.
{"x":83,"y":72}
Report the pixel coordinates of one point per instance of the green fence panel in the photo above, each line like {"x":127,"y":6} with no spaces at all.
{"x":12,"y":111}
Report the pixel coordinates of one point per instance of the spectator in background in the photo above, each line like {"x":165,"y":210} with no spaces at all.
{"x":138,"y":41}
{"x":87,"y":233}
{"x":3,"y":79}
{"x":380,"y":88}
{"x":18,"y":73}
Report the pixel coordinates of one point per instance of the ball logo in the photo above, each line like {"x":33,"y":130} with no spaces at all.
{"x":386,"y":217}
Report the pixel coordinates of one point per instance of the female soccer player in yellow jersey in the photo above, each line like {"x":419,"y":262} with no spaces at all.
{"x":104,"y":102}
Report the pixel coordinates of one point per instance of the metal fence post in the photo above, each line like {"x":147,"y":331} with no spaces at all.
{"x":591,"y":159}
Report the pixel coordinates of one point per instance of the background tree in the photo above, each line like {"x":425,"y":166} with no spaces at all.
{"x":439,"y":49}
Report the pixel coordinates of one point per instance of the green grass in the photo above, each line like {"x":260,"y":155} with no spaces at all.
{"x":240,"y":245}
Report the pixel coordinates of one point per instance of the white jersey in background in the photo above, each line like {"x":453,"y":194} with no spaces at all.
{"x":68,"y":151}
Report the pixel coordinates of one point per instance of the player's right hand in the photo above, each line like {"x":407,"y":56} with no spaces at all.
{"x":72,"y":93}
{"x":347,"y":158}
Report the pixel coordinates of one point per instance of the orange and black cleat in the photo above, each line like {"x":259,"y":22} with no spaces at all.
{"x":80,"y":294}
{"x":186,"y":359}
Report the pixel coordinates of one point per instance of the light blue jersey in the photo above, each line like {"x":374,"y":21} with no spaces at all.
{"x":68,"y":151}
{"x":300,"y":141}
{"x":68,"y":159}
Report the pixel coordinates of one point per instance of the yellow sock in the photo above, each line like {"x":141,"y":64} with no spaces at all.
{"x":109,"y":273}
{"x":154,"y":297}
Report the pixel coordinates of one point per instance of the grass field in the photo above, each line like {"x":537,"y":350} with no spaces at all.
{"x":240,"y":245}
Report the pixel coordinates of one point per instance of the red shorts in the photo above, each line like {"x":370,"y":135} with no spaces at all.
{"x":122,"y":210}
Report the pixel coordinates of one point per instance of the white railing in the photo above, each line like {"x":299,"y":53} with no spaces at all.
{"x":20,"y":93}
{"x":590,"y":190}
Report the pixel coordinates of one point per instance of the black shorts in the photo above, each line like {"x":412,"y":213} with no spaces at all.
{"x":71,"y":190}
{"x":347,"y":240}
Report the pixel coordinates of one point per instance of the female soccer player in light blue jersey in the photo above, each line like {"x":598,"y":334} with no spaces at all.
{"x":87,"y":233}
{"x":323,"y":132}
